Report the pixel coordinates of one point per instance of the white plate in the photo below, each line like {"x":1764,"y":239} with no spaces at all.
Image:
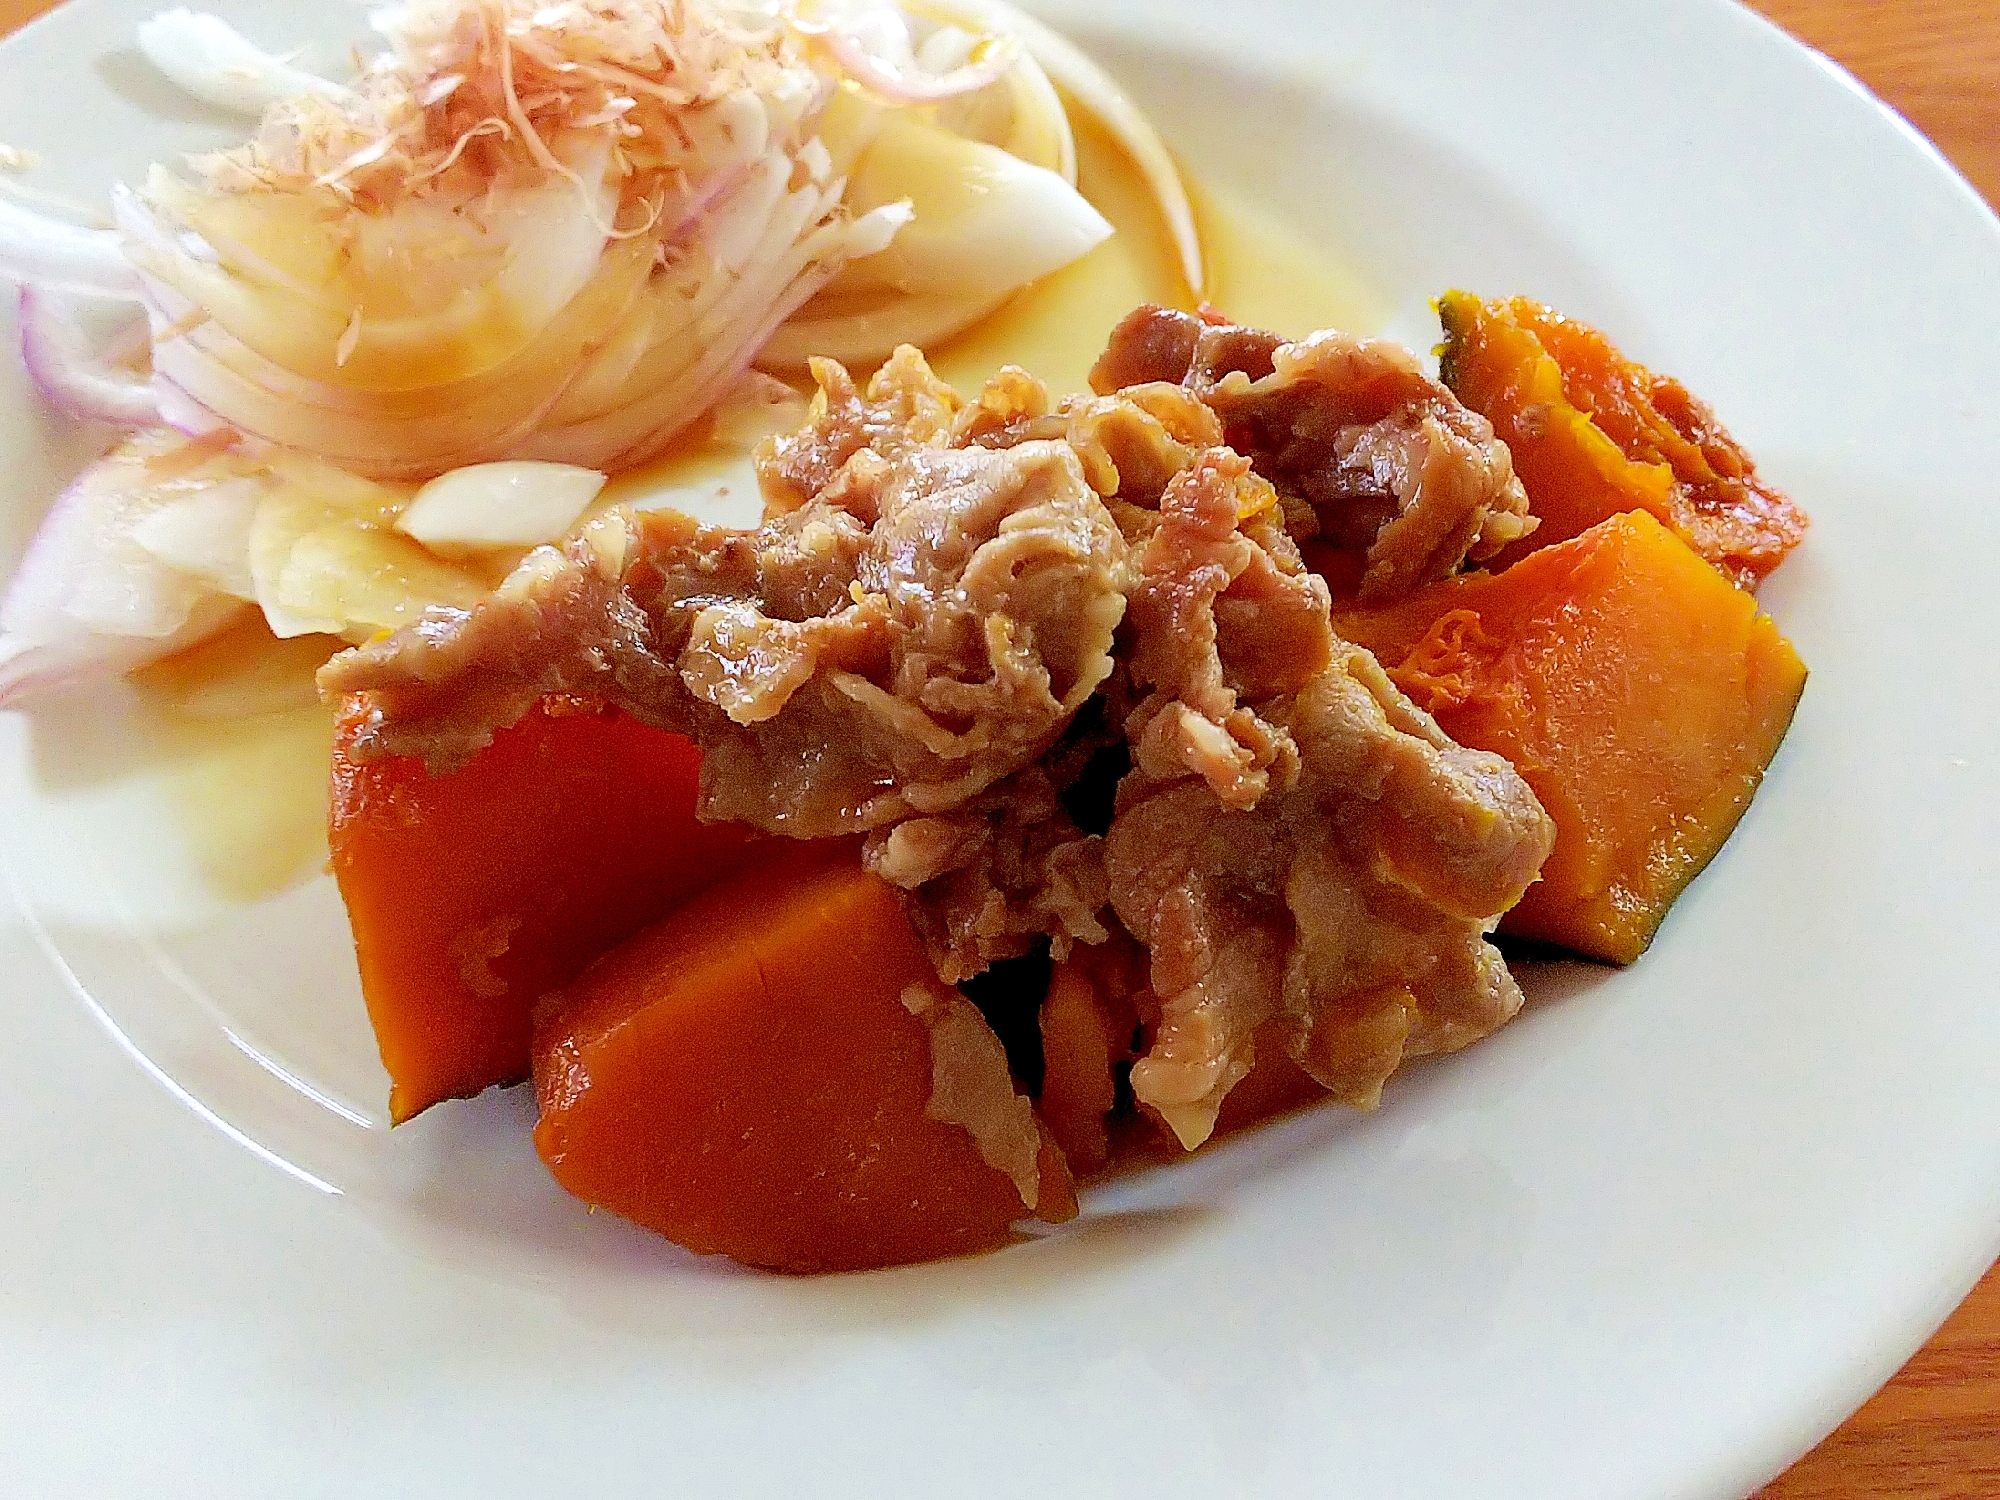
{"x":1650,"y":1241}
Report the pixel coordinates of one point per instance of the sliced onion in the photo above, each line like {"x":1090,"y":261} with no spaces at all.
{"x":985,"y":222}
{"x":286,"y":516}
{"x":83,"y":565}
{"x":614,"y":351}
{"x":74,"y":379}
{"x":206,"y":534}
{"x":357,"y":576}
{"x":869,"y":41}
{"x":30,"y":666}
{"x":201,"y":369}
{"x":704,"y":299}
{"x":726,"y":363}
{"x":86,"y":595}
{"x":1097,"y":92}
{"x":709,"y":326}
{"x":208,"y":58}
{"x":865,"y":330}
{"x":419,"y":295}
{"x":185,"y":415}
{"x":1021,"y":114}
{"x":65,"y":257}
{"x":514,"y":504}
{"x":598,"y":383}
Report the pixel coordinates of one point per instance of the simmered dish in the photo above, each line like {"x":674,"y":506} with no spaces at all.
{"x":1052,"y":774}
{"x":1058,"y":677}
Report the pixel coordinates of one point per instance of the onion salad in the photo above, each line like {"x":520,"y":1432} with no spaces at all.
{"x":367,"y":359}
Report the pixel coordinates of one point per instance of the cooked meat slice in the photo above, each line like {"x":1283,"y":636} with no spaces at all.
{"x":971,"y":1088}
{"x":1011,"y":408}
{"x":1160,"y":344}
{"x":1353,"y":906}
{"x":906,"y":408}
{"x":842,"y":666}
{"x":1392,"y":464}
{"x":989,"y":877}
{"x":1202,"y":889}
{"x":1133,"y":443}
{"x":1221,"y":609}
{"x":1150,"y":344}
{"x":1296,"y":840}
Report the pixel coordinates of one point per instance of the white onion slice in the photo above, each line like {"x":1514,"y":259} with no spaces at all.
{"x":418,"y":295}
{"x":206,"y":535}
{"x":364,"y":579}
{"x":516,"y":504}
{"x":75,"y":380}
{"x":856,"y":334}
{"x":207,"y":57}
{"x":285,"y":517}
{"x":1021,"y":114}
{"x":709,"y":323}
{"x":65,"y":257}
{"x":718,"y":351}
{"x":869,"y":41}
{"x":1096,"y":91}
{"x":984,"y":222}
{"x":200,"y":370}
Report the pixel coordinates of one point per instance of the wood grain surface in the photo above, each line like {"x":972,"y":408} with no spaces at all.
{"x":1933,"y":1433}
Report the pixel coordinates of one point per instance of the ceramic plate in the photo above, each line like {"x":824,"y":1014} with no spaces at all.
{"x":1652,"y":1240}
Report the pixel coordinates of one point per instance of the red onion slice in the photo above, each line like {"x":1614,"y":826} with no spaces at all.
{"x":870,"y":42}
{"x":30,"y":668}
{"x":87,"y":598}
{"x":70,"y":376}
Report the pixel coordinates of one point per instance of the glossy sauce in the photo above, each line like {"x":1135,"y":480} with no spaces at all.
{"x":1259,"y":272}
{"x":242,"y":745}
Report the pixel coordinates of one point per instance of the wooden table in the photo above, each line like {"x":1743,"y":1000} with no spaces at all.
{"x":1933,"y":1433}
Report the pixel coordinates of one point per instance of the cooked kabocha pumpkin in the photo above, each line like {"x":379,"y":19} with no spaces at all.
{"x":774,"y":1072}
{"x":472,"y":893}
{"x":1083,"y":1041}
{"x":1636,"y":689}
{"x":1594,"y":434}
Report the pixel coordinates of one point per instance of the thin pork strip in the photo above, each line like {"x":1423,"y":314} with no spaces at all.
{"x":1297,"y":840}
{"x":841,"y":667}
{"x":1390,"y":462}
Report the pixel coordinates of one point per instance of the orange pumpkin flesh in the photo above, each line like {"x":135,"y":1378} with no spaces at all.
{"x":1639,"y":693}
{"x":1594,"y":434}
{"x":744,"y":1077}
{"x":473,"y":893}
{"x":1081,"y":1046}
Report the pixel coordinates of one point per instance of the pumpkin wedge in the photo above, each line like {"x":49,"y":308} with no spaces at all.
{"x":1639,"y":693}
{"x":470,"y":894}
{"x":774,"y":1072}
{"x":1594,"y":434}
